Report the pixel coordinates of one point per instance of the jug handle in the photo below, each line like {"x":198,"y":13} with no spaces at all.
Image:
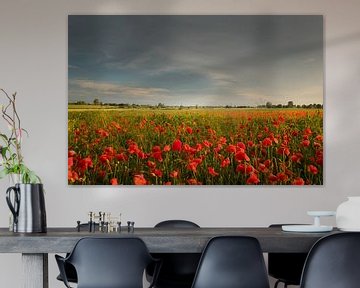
{"x":13,"y":208}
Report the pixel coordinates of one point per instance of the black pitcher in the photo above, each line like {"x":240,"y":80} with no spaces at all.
{"x":28,"y":208}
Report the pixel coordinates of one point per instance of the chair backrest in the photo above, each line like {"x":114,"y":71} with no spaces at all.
{"x":110,"y":262}
{"x":286,"y":267}
{"x":333,"y":262}
{"x":178,"y":269}
{"x":232,"y":262}
{"x":176,"y":224}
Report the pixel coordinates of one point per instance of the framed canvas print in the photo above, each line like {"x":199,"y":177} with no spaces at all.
{"x":188,"y":100}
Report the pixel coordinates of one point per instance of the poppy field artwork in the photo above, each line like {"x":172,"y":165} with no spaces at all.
{"x":195,"y":100}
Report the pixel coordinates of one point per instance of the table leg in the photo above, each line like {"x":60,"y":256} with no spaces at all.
{"x":35,"y":270}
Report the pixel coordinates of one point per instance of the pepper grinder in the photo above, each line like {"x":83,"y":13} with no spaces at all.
{"x":78,"y":226}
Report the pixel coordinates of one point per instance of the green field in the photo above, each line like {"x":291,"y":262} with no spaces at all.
{"x":212,"y":146}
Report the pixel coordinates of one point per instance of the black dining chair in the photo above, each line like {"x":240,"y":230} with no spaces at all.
{"x":178,"y":269}
{"x":70,"y":271}
{"x":232,"y":262}
{"x":108,"y":263}
{"x":286,"y":267}
{"x":333,"y":262}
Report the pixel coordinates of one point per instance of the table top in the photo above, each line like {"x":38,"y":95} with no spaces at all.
{"x":158,"y":240}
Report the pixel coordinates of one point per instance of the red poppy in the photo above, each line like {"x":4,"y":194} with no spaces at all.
{"x":207,"y":143}
{"x":193,"y":181}
{"x":121,"y":157}
{"x":140,"y":154}
{"x":263,"y":168}
{"x":114,"y":181}
{"x":222,"y":140}
{"x":241,"y":145}
{"x":272,"y":178}
{"x":72,"y":176}
{"x":116,"y":125}
{"x":218,"y":148}
{"x":70,"y":162}
{"x":192,"y":166}
{"x":284,"y":150}
{"x":177,"y":145}
{"x":159,"y":129}
{"x":187,"y":148}
{"x":225,"y":162}
{"x":282,"y":176}
{"x":174,"y":174}
{"x":103,"y":133}
{"x":273,"y":139}
{"x":307,"y":131}
{"x":156,"y":173}
{"x":319,"y":138}
{"x":151,"y":164}
{"x":231,"y":148}
{"x":241,"y":155}
{"x":71,"y":153}
{"x":313,"y":169}
{"x":267,"y":163}
{"x":133,"y":148}
{"x":212,"y":171}
{"x":295,"y":133}
{"x":77,"y":132}
{"x":104,"y":158}
{"x":211,"y":132}
{"x":253,"y":179}
{"x":139,"y":179}
{"x":85,"y":163}
{"x":189,"y":130}
{"x":245,"y":169}
{"x":109,"y":151}
{"x":267,"y":142}
{"x":298,"y":181}
{"x":157,"y":156}
{"x":167,"y":148}
{"x":198,"y":147}
{"x":305,"y":143}
{"x":319,"y":157}
{"x":156,"y":149}
{"x":297,"y":157}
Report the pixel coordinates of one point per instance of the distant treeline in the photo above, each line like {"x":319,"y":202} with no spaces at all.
{"x":290,"y":104}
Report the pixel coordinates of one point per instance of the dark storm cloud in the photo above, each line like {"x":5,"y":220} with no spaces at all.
{"x":189,"y":60}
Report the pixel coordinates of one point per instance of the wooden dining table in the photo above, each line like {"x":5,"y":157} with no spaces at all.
{"x":35,"y":247}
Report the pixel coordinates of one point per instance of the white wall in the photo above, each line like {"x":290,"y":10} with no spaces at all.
{"x":33,"y":62}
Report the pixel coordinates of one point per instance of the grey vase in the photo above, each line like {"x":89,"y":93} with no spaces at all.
{"x":27,"y":204}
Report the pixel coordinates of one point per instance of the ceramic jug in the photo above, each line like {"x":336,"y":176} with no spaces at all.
{"x":27,"y":207}
{"x":348,"y":215}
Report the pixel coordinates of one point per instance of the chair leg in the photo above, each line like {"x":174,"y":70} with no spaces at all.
{"x":279,"y":281}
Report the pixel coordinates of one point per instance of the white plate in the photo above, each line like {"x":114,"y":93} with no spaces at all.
{"x":306,"y":228}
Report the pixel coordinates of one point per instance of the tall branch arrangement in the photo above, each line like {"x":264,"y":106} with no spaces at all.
{"x":12,"y":161}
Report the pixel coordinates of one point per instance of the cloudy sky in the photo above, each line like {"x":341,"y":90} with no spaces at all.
{"x":196,"y":60}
